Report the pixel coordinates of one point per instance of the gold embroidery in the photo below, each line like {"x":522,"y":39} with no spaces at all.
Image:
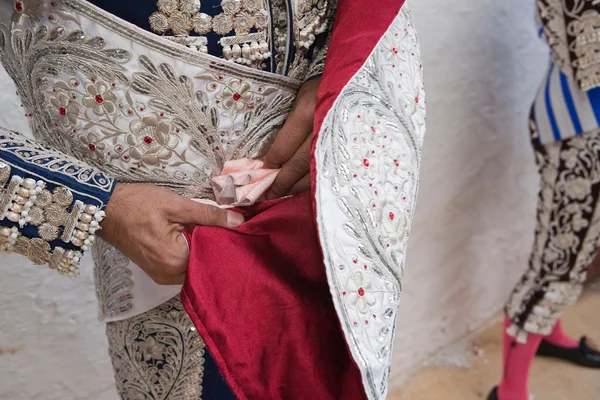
{"x":39,"y":251}
{"x":183,"y":16}
{"x":4,"y":173}
{"x":180,"y":17}
{"x":26,"y":201}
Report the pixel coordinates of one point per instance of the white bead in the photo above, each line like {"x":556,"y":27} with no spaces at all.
{"x":75,"y":260}
{"x":94,"y":224}
{"x":24,"y":213}
{"x":23,"y":192}
{"x":227,"y":52}
{"x":28,"y":219}
{"x":16,"y":178}
{"x":87,"y":242}
{"x":22,"y":222}
{"x":40,"y":184}
{"x":246,"y":51}
{"x":14,"y":235}
{"x":264,"y":47}
{"x":90,"y":209}
{"x":85,"y":218}
{"x":29,"y":204}
{"x":85,"y":248}
{"x":92,"y":238}
{"x":92,"y":231}
{"x":236,"y":51}
{"x":5,"y":231}
{"x":16,"y":207}
{"x":33,"y":197}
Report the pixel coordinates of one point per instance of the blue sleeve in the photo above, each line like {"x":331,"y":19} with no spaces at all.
{"x":51,"y":204}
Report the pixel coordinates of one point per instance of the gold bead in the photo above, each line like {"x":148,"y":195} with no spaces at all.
{"x":81,"y":235}
{"x":77,"y":242}
{"x":23,"y":192}
{"x":28,"y":183}
{"x":13,"y":216}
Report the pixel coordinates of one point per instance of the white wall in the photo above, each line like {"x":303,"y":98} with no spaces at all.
{"x":474,"y":222}
{"x":470,"y":239}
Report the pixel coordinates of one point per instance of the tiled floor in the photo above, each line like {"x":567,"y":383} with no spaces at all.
{"x":550,"y":379}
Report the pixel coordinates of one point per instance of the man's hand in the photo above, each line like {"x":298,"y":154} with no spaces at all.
{"x":291,"y":149}
{"x":146,"y":222}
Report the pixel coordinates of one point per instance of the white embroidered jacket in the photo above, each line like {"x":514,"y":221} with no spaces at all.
{"x":112,"y":102}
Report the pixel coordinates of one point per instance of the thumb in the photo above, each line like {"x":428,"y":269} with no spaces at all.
{"x":194,"y":213}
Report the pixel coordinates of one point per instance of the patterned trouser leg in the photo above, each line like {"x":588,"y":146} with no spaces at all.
{"x":566,"y":236}
{"x":158,"y":355}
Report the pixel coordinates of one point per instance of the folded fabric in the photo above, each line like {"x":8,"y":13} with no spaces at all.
{"x":259,"y":297}
{"x":242,"y":182}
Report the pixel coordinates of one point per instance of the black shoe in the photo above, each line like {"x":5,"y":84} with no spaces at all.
{"x":582,"y":355}
{"x":493,"y":394}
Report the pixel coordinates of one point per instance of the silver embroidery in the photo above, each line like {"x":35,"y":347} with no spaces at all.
{"x":368,"y":157}
{"x":134,"y":119}
{"x":113,"y":280}
{"x":157,"y":355}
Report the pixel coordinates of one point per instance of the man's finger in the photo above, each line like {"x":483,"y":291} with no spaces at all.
{"x":193,"y":213}
{"x":297,"y":127}
{"x":301,"y":186}
{"x":292,"y":171}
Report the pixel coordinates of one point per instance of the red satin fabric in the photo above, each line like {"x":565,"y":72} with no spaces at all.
{"x":260,"y":299}
{"x":259,"y":295}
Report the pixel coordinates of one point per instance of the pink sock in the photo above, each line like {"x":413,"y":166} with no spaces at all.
{"x":558,"y":337}
{"x":517,"y":360}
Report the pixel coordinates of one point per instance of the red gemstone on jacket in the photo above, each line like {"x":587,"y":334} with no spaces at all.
{"x":99,"y":99}
{"x":19,"y":7}
{"x":236,"y":96}
{"x":361,"y":292}
{"x":62,"y":111}
{"x":148,"y":140}
{"x":92,"y":147}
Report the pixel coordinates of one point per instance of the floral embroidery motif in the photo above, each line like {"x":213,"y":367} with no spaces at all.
{"x":360,"y":293}
{"x":368,"y":156}
{"x":137,"y":120}
{"x":157,"y":355}
{"x":152,"y":140}
{"x":63,"y":110}
{"x":567,"y":235}
{"x":99,"y":98}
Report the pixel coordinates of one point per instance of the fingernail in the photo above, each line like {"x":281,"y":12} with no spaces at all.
{"x":234,"y":219}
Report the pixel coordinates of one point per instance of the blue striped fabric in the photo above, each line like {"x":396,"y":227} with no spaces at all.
{"x":561,"y":110}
